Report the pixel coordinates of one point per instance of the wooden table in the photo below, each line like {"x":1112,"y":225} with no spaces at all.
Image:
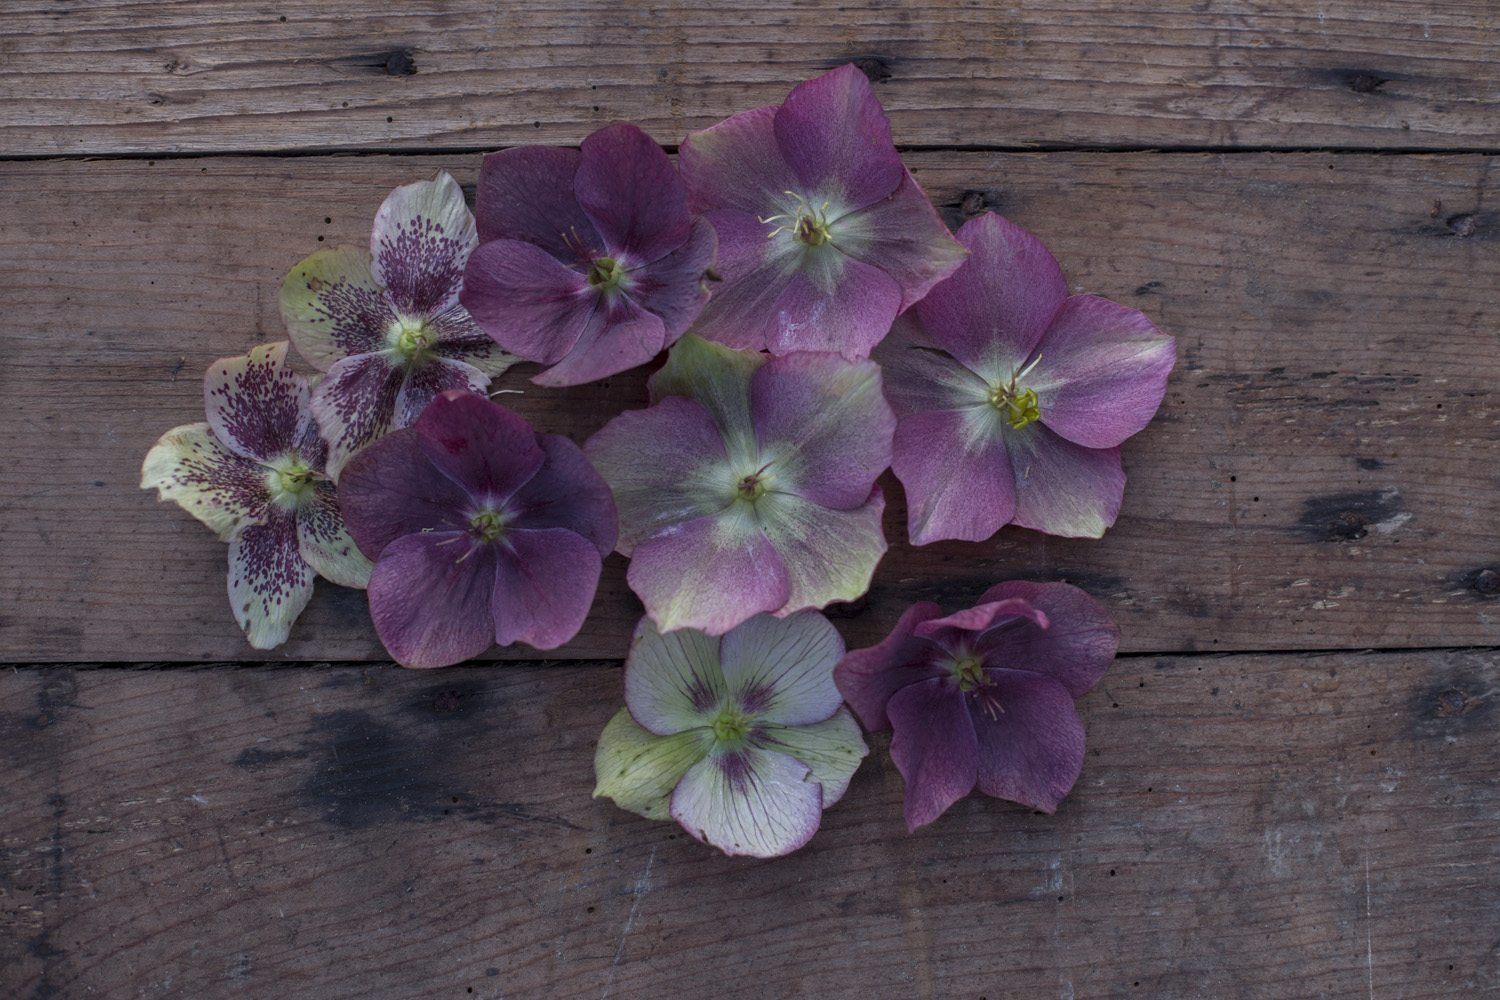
{"x":1291,"y":788}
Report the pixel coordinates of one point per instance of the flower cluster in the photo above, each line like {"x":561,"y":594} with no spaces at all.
{"x":821,"y":325}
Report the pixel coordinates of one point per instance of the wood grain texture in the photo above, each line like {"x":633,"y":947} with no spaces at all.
{"x":1322,"y":474}
{"x":1246,"y":828}
{"x":153,"y":76}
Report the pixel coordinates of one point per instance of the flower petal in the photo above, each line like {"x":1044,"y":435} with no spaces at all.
{"x":824,"y":425}
{"x":673,"y":680}
{"x":390,"y":490}
{"x":421,"y":240}
{"x":269,"y":582}
{"x":325,"y":543}
{"x":256,"y":402}
{"x":1031,"y":751}
{"x":960,"y":631}
{"x":710,"y":573}
{"x":545,"y":580}
{"x":904,"y":237}
{"x":956,"y":473}
{"x":526,"y":193}
{"x":736,"y":164}
{"x":619,"y":335}
{"x":460,"y":338}
{"x":355,"y":403}
{"x":532,"y":304}
{"x":1102,"y":372}
{"x":780,"y":670}
{"x":751,"y":802}
{"x":628,"y":187}
{"x":567,"y":492}
{"x":483,"y":447}
{"x":830,"y":555}
{"x":934,"y":747}
{"x":674,"y":286}
{"x":638,"y":769}
{"x":334,"y":308}
{"x":191,"y":468}
{"x":917,"y":376}
{"x":430,"y":378}
{"x":991,"y":313}
{"x":1062,"y":488}
{"x":430,"y":598}
{"x":868,"y":677}
{"x":1075,"y":649}
{"x":834,"y":134}
{"x":832,"y":749}
{"x":718,"y":379}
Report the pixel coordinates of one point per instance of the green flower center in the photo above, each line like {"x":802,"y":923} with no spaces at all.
{"x":410,"y":337}
{"x":1019,"y":405}
{"x":808,"y":225}
{"x":731,"y":727}
{"x":288,"y":481}
{"x":751,"y":487}
{"x":968,"y":673}
{"x":487,"y":525}
{"x":606,"y":274}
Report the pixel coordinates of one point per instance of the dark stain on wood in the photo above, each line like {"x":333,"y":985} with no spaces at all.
{"x":1451,"y":705}
{"x":1347,"y":517}
{"x":1483,"y":582}
{"x":1369,"y":464}
{"x":1150,"y":288}
{"x":465,"y":700}
{"x":391,"y":62}
{"x":877,"y":68}
{"x":1362,"y":81}
{"x":367,"y":773}
{"x":258,"y":758}
{"x":55,"y":694}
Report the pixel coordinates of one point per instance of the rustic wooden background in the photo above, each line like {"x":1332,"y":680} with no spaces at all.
{"x":1292,"y":784}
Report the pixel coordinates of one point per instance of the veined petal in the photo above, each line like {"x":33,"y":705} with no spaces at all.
{"x":904,"y":237}
{"x":837,"y":140}
{"x":1076,"y":648}
{"x":638,"y":769}
{"x":618,"y":335}
{"x":483,"y":447}
{"x":191,"y":468}
{"x":355,"y":403}
{"x":673,"y":680}
{"x":532,"y":304}
{"x":334,"y":308}
{"x":832,"y":749}
{"x":718,"y":379}
{"x":390,"y":490}
{"x":830,"y":555}
{"x":629,"y":189}
{"x":867,"y":678}
{"x":269,"y":582}
{"x":917,"y":376}
{"x":460,"y":338}
{"x":1031,"y":750}
{"x":934,"y":747}
{"x":1062,"y":488}
{"x":545,"y":579}
{"x":526,"y":193}
{"x":325,"y":543}
{"x":752,"y":802}
{"x":256,"y":402}
{"x":956,"y":473}
{"x":421,"y":240}
{"x":736,"y":164}
{"x":430,"y":598}
{"x":430,"y":378}
{"x":675,"y":286}
{"x":780,"y":670}
{"x":567,"y":492}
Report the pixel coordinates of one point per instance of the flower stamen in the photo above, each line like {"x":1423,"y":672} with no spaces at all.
{"x":1020,"y":406}
{"x":487,"y":525}
{"x":606,"y":274}
{"x":810,"y":226}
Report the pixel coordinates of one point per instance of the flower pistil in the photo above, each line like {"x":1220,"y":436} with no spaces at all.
{"x":1019,"y":405}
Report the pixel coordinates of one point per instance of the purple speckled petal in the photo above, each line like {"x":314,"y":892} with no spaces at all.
{"x":737,"y":164}
{"x":956,"y":474}
{"x":830,"y":555}
{"x":674,"y":286}
{"x":1075,"y":650}
{"x":780,"y":670}
{"x":255,"y":402}
{"x":325,"y":542}
{"x":868,"y":677}
{"x":1102,"y":372}
{"x":334,"y":308}
{"x":390,"y":490}
{"x":1062,"y":488}
{"x":832,"y":749}
{"x":933,"y":746}
{"x":545,"y":581}
{"x":904,"y":237}
{"x":460,"y":338}
{"x":190,"y":467}
{"x":824,"y":427}
{"x":482,"y":446}
{"x":269,"y":582}
{"x":834,"y":134}
{"x":566,"y":492}
{"x":628,"y":187}
{"x":752,"y":802}
{"x":422,"y":239}
{"x":618,"y":336}
{"x":430,"y":598}
{"x":526,"y":194}
{"x":991,"y":313}
{"x":531,"y":303}
{"x":1031,"y":749}
{"x":430,"y":378}
{"x":673,"y":681}
{"x":960,"y":631}
{"x":355,"y":403}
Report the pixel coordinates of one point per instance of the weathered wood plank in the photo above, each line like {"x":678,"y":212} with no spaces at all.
{"x":1252,"y":827}
{"x":150,"y":76}
{"x":1322,"y":474}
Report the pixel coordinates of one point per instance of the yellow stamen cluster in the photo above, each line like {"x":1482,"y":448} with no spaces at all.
{"x":1020,"y":406}
{"x":809,"y":225}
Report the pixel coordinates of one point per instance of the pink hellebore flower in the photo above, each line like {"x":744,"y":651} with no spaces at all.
{"x":984,"y":698}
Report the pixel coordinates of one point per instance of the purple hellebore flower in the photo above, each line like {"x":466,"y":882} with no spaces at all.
{"x":984,"y":698}
{"x":254,"y":473}
{"x":386,"y":324}
{"x":749,"y":484}
{"x":743,"y":739}
{"x":590,"y":260}
{"x":482,"y":531}
{"x":1013,"y":396}
{"x":824,"y":236}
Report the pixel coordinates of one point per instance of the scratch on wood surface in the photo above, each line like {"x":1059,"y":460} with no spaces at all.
{"x":1369,"y":933}
{"x":639,"y":890}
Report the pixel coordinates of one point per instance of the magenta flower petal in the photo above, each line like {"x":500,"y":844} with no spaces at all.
{"x":460,"y":338}
{"x":430,"y":598}
{"x":389,"y":490}
{"x":973,"y":627}
{"x":619,"y":335}
{"x":919,"y":377}
{"x":1102,"y":372}
{"x":269,"y":581}
{"x":1031,"y":750}
{"x":958,"y":484}
{"x":673,"y":286}
{"x":421,"y":240}
{"x":781,"y":669}
{"x":425,"y":383}
{"x":837,"y":140}
{"x":868,"y":677}
{"x":1063,"y":488}
{"x":355,"y":403}
{"x":488,"y":450}
{"x":628,"y":187}
{"x":255,"y":402}
{"x":1076,"y":647}
{"x":934,"y":748}
{"x":736,"y":164}
{"x":904,"y":237}
{"x":536,"y":305}
{"x":544,"y":586}
{"x":526,"y":194}
{"x":566,"y":492}
{"x":752,"y":802}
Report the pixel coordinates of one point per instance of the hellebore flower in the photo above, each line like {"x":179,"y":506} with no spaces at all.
{"x":824,"y":236}
{"x":1013,"y":396}
{"x":254,"y":474}
{"x":984,"y":698}
{"x":386,"y":325}
{"x":590,"y":261}
{"x":749,"y":484}
{"x":482,"y":531}
{"x":743,"y":740}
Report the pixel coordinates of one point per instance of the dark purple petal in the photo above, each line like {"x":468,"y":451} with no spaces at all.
{"x":526,"y":194}
{"x":780,"y":670}
{"x":1102,"y":372}
{"x":390,"y":490}
{"x":1076,"y":648}
{"x":753,"y":802}
{"x":933,"y":746}
{"x":674,"y":287}
{"x":957,"y":633}
{"x":422,"y":239}
{"x":1062,"y":488}
{"x":324,"y":541}
{"x":334,"y":308}
{"x":618,"y":336}
{"x":355,"y":403}
{"x":269,"y":582}
{"x":628,"y":187}
{"x":868,"y":677}
{"x":430,"y":378}
{"x":482,"y":446}
{"x":834,"y":134}
{"x":544,"y":586}
{"x":1031,"y":748}
{"x":956,"y":474}
{"x":904,"y":237}
{"x":430,"y":598}
{"x":566,"y":492}
{"x":256,"y":402}
{"x":531,"y":303}
{"x":192,"y":468}
{"x":737,"y":164}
